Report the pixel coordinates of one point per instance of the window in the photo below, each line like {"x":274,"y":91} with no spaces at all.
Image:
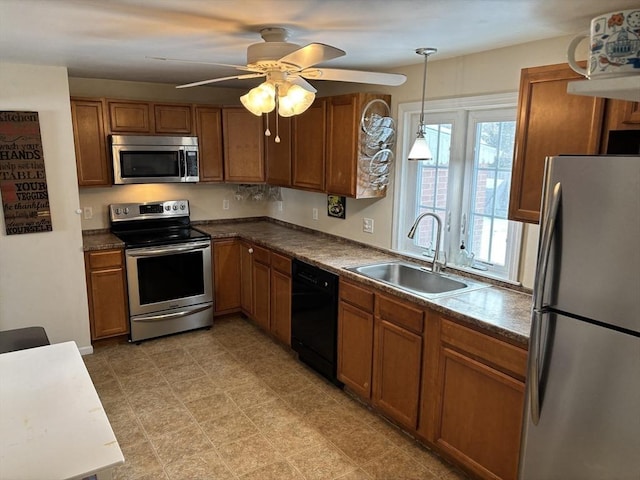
{"x":467,"y":184}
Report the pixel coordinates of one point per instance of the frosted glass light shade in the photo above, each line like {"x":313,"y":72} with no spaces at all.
{"x":260,"y":99}
{"x":420,"y":149}
{"x":296,"y":101}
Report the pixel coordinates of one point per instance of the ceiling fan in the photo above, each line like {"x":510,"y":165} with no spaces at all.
{"x":282,"y":63}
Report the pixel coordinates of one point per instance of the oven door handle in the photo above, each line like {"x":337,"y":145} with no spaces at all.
{"x":156,"y":252}
{"x":168,"y":316}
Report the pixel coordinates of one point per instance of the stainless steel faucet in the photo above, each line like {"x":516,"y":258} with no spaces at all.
{"x":436,"y":266}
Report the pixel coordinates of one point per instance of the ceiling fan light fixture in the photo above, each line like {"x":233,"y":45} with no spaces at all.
{"x":420,"y":149}
{"x":296,"y":101}
{"x":260,"y":99}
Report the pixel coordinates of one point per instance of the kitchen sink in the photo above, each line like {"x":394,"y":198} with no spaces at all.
{"x":416,"y":279}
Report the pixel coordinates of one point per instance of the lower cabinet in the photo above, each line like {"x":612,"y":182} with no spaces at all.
{"x":355,"y":338}
{"x":246,"y":278}
{"x":477,"y":403}
{"x":226,"y":276}
{"x":280,"y":321}
{"x":261,"y":287}
{"x":397,"y":360}
{"x":107,"y":293}
{"x":459,"y":390}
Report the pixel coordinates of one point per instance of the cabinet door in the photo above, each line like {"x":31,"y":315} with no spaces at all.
{"x":278,"y":154}
{"x":209,"y":131}
{"x":226,"y":275}
{"x":92,"y":161}
{"x":261,"y":294}
{"x":243,"y":146}
{"x":342,"y":141}
{"x":397,"y":359}
{"x":129,"y":117}
{"x":550,"y":122}
{"x":309,"y":148}
{"x":281,"y":305}
{"x":175,"y":119}
{"x":355,"y":348}
{"x":106,"y":285}
{"x":481,"y":413}
{"x":246,"y":278}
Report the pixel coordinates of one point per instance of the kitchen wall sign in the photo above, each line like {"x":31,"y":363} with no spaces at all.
{"x":336,"y":206}
{"x":23,"y":182}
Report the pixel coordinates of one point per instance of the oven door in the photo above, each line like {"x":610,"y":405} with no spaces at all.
{"x":168,"y":277}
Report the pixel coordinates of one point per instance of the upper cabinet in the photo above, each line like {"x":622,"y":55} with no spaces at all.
{"x":92,"y":161}
{"x":309,"y":138}
{"x":277,"y":154}
{"x":209,"y":132}
{"x":243,"y":146}
{"x":353,"y":146}
{"x":550,"y":122}
{"x":149,"y":118}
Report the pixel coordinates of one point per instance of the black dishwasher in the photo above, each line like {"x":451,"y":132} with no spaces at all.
{"x":314,"y":318}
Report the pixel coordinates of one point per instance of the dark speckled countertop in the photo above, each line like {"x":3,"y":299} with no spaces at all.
{"x":503,"y":311}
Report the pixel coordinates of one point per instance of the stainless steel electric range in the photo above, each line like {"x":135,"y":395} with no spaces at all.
{"x":168,"y":268}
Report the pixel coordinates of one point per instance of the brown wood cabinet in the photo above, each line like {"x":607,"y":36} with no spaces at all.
{"x":621,"y":127}
{"x":92,"y":161}
{"x":478,"y":401}
{"x":397,"y":359}
{"x":226,"y":276}
{"x":550,"y":122}
{"x":343,"y":173}
{"x":129,"y":117}
{"x":243,"y":146}
{"x":277,"y":155}
{"x":309,"y":143}
{"x":107,"y":293}
{"x":355,"y":338}
{"x":209,"y":132}
{"x":147,"y":118}
{"x":281,"y":298}
{"x":246,"y":278}
{"x":262,"y":287}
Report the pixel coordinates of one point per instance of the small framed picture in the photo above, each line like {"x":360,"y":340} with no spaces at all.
{"x":336,"y":206}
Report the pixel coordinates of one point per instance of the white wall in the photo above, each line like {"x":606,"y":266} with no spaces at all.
{"x":42,"y":274}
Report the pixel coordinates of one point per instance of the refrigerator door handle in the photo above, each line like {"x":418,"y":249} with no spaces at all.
{"x":533,"y":367}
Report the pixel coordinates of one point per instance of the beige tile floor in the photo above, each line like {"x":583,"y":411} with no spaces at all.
{"x":230,"y":403}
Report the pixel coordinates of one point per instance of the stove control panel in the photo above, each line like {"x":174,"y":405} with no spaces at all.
{"x":149,"y":210}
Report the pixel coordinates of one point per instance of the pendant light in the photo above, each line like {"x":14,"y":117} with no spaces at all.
{"x":420,"y":149}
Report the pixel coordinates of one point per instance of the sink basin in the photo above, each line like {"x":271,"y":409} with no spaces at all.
{"x":416,"y":279}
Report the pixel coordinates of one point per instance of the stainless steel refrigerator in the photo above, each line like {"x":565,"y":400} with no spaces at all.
{"x":582,"y":407}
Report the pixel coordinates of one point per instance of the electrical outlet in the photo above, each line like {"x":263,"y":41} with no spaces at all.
{"x":280,"y":206}
{"x":367,"y":225}
{"x":88,"y":213}
{"x":314,"y":214}
{"x":225,"y":204}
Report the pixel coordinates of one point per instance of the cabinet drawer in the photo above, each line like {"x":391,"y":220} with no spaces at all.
{"x":261,"y":255}
{"x":107,"y":258}
{"x":400,"y":313}
{"x":358,"y":296}
{"x":502,"y":355}
{"x":281,"y":263}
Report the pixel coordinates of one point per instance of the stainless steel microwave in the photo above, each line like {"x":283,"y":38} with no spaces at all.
{"x":154,"y":159}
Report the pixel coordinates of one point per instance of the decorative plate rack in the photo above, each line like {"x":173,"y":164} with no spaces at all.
{"x":377,"y":138}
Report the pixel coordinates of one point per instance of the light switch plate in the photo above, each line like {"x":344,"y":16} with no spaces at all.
{"x":314,"y":213}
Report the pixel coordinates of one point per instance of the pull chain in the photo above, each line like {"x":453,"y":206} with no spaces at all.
{"x":277,"y":139}
{"x":267,"y":132}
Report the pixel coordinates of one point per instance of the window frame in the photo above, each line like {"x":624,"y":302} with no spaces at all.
{"x":460,"y":110}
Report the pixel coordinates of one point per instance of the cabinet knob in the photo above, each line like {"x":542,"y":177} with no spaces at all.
{"x":251,"y":250}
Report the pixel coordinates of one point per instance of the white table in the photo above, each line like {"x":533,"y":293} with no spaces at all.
{"x":52,"y":424}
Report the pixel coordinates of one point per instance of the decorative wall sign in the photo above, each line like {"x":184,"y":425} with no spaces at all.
{"x":23,"y":183}
{"x":336,"y":206}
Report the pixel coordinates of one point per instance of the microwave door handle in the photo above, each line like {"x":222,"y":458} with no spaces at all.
{"x":542,"y":267}
{"x":182,"y":164}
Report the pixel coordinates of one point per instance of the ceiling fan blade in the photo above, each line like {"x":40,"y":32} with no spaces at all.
{"x":301,"y":82}
{"x":311,"y":55}
{"x":356,"y":76}
{"x":222,"y":79}
{"x":237,"y":67}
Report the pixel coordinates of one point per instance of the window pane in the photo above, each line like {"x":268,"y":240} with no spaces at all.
{"x":433,"y":179}
{"x":491,"y":185}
